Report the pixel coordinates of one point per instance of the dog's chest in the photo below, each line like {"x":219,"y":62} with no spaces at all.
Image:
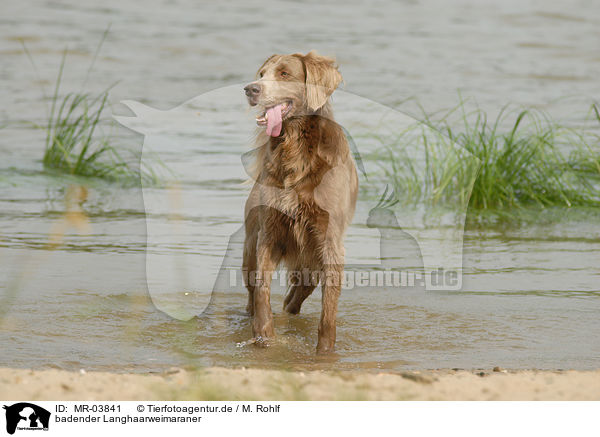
{"x":291,"y":173}
{"x":288,"y":200}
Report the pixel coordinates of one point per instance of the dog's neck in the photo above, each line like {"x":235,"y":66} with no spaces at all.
{"x":287,"y":161}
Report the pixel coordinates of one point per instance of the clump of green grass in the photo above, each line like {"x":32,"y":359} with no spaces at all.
{"x":533,"y":162}
{"x":73,"y":145}
{"x":424,"y":166}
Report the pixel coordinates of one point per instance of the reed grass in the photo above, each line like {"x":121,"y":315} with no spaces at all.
{"x":74,"y":143}
{"x":75,"y":146}
{"x":518,"y":160}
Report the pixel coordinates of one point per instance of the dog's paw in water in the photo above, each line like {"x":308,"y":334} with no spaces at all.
{"x":256,"y":341}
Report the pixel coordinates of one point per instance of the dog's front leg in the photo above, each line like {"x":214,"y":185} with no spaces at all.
{"x":268,"y":258}
{"x":332,"y":280}
{"x":331,"y":283}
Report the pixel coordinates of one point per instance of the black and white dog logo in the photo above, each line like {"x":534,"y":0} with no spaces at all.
{"x":26,"y":416}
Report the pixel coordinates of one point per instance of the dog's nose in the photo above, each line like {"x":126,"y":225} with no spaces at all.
{"x":252,"y":89}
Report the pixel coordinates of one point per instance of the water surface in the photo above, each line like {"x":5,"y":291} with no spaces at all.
{"x":530,"y":293}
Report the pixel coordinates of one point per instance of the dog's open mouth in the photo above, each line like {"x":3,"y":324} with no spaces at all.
{"x":273,"y":117}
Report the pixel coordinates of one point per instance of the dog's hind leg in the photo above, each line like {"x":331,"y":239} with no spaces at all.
{"x":303,"y":279}
{"x":296,"y":296}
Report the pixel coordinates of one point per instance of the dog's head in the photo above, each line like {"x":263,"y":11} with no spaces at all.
{"x":291,"y":85}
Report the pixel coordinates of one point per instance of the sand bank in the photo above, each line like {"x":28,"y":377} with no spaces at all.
{"x":259,"y":384}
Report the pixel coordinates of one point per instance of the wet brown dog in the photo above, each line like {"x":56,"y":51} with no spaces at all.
{"x":304,"y":194}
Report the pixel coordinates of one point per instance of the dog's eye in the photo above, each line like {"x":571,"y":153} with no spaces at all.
{"x":284,"y":74}
{"x":261,"y":74}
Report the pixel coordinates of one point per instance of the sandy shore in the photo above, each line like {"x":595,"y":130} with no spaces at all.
{"x":257,"y":384}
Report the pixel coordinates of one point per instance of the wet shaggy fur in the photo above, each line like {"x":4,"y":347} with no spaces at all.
{"x":304,"y":195}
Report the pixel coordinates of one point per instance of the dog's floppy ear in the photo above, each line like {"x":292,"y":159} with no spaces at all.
{"x":322,"y":78}
{"x":264,"y":63}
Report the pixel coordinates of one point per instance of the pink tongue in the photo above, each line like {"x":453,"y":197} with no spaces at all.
{"x":274,"y":121}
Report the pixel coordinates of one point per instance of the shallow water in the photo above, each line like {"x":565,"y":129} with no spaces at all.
{"x":530,"y":294}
